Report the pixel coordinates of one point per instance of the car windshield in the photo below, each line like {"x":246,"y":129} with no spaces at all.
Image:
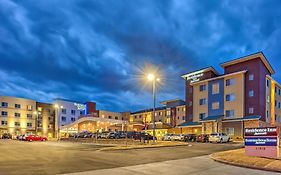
{"x":214,"y":134}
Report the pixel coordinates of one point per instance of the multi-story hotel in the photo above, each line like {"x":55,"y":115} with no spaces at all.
{"x":245,"y":95}
{"x":17,"y":115}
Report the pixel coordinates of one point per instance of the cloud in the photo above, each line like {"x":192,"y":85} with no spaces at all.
{"x":98,"y":50}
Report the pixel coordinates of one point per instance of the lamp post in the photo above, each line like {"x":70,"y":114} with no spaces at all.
{"x":57,"y":121}
{"x":151,"y":77}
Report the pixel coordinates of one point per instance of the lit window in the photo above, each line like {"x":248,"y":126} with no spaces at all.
{"x":251,"y":77}
{"x":215,"y":88}
{"x":17,"y":123}
{"x":230,"y":131}
{"x":229,"y":113}
{"x":168,"y":113}
{"x":215,"y":105}
{"x":230,"y":97}
{"x":40,"y":109}
{"x":29,"y":107}
{"x":29,"y":125}
{"x":4,"y":123}
{"x":230,"y":82}
{"x":251,"y":93}
{"x":251,"y":110}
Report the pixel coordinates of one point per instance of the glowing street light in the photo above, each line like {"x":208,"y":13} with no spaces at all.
{"x":152,"y":77}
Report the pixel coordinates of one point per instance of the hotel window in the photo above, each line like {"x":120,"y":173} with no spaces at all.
{"x":229,"y":113}
{"x":251,"y":77}
{"x":230,"y":82}
{"x":275,"y":116}
{"x":183,"y":118}
{"x":275,"y":103}
{"x":29,"y":125}
{"x":4,"y":114}
{"x":73,"y":119}
{"x":203,"y":101}
{"x":215,"y":105}
{"x":183,"y":109}
{"x":268,"y":99}
{"x":215,"y":88}
{"x":267,"y":83}
{"x":72,"y":112}
{"x":279,"y":105}
{"x":5,"y":123}
{"x":251,"y":110}
{"x":109,"y":117}
{"x":63,"y":111}
{"x":81,"y":112}
{"x":168,"y":113}
{"x":63,"y":119}
{"x":202,"y":87}
{"x":190,"y":103}
{"x":29,"y":107}
{"x":275,"y":89}
{"x":17,"y":106}
{"x":17,"y":123}
{"x":230,"y":97}
{"x":17,"y":114}
{"x":4,"y":104}
{"x":40,"y":109}
{"x":135,"y":117}
{"x":279,"y":92}
{"x":251,"y":93}
{"x":116,"y":118}
{"x":202,"y":116}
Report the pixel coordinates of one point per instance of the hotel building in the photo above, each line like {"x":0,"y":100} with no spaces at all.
{"x":17,"y":115}
{"x":245,"y":95}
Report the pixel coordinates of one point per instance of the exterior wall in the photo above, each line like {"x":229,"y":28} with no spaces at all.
{"x":23,"y":119}
{"x":197,"y":108}
{"x":91,"y":107}
{"x":237,"y":126}
{"x":258,"y":69}
{"x":110,"y":115}
{"x":46,"y":119}
{"x":68,"y":105}
{"x":180,"y":115}
{"x":238,"y":89}
{"x":189,"y":94}
{"x":268,"y":113}
{"x":216,"y":98}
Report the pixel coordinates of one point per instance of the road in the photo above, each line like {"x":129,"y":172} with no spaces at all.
{"x":18,"y":157}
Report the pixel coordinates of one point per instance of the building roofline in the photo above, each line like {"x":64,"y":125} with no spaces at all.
{"x":210,"y":68}
{"x":250,"y":57}
{"x":62,"y":99}
{"x":19,"y":98}
{"x":219,"y":77}
{"x":173,"y":100}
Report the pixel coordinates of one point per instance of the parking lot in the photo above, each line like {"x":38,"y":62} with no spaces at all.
{"x":20,"y":157}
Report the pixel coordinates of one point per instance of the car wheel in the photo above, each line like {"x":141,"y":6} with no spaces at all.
{"x":30,"y":140}
{"x":228,"y":140}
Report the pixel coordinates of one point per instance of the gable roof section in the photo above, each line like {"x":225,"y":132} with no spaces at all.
{"x":250,"y":57}
{"x":200,"y":71}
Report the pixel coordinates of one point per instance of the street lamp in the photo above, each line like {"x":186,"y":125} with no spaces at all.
{"x":57,"y":120}
{"x":151,"y":77}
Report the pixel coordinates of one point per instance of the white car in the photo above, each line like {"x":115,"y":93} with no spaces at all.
{"x":167,"y":137}
{"x":219,"y":137}
{"x":178,"y":137}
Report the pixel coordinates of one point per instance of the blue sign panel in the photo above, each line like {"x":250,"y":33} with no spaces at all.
{"x":261,"y":141}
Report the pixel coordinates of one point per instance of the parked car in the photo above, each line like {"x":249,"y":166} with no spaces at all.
{"x":31,"y":138}
{"x":189,"y":138}
{"x":112,"y":135}
{"x":103,"y":135}
{"x":6,"y":136}
{"x":219,"y":137}
{"x":21,"y":137}
{"x":143,"y":136}
{"x":177,"y":137}
{"x":167,"y":137}
{"x":202,"y":138}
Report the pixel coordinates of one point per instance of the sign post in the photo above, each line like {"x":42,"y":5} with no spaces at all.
{"x":262,"y":142}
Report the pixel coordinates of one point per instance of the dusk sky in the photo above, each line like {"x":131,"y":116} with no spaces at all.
{"x":99,"y":50}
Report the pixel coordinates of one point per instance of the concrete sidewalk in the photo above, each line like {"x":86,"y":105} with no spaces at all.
{"x":195,"y":166}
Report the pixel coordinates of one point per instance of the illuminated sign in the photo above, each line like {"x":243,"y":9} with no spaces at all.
{"x":80,"y":107}
{"x":262,"y":142}
{"x":194,"y":77}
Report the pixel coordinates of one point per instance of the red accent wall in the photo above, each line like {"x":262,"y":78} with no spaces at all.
{"x":258,"y":69}
{"x":91,"y":107}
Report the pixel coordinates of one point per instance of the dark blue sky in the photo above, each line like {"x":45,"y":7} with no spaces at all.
{"x":97,"y":50}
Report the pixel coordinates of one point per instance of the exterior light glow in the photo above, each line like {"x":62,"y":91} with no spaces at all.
{"x":150,"y":77}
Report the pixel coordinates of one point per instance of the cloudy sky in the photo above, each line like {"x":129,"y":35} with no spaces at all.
{"x":100,"y":50}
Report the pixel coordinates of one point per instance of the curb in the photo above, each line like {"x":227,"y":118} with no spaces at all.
{"x":131,"y":148}
{"x":243,"y":166}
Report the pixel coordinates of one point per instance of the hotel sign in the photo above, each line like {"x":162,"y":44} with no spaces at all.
{"x":195,"y":76}
{"x":263,"y":142}
{"x":80,"y":107}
